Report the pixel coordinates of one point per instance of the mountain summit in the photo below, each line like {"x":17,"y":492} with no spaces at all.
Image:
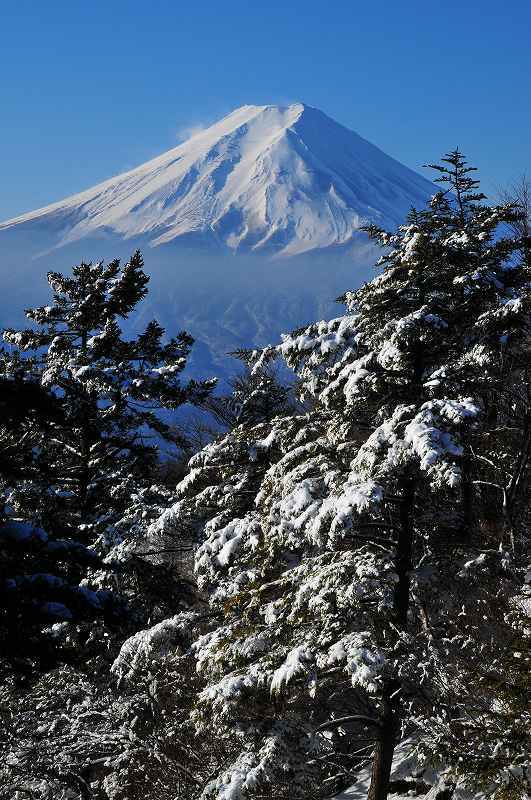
{"x":275,"y":179}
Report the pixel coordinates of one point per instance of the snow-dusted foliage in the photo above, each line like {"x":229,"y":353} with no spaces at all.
{"x":92,"y":472}
{"x":76,"y":734}
{"x":336,"y":542}
{"x":143,"y":647}
{"x":359,"y":559}
{"x":102,"y":450}
{"x":41,"y":570}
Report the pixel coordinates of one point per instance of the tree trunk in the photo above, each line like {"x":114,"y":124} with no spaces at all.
{"x":382,"y":759}
{"x":84,"y":471}
{"x":467,"y":497}
{"x":404,"y":553}
{"x":390,"y":717}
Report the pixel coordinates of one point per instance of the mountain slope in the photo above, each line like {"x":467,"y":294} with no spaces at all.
{"x":263,"y":181}
{"x":280,"y":180}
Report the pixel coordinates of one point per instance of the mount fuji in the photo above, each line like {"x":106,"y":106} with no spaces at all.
{"x":249,"y":228}
{"x":281,"y":180}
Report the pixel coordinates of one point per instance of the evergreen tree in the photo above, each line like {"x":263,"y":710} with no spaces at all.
{"x":87,"y":478}
{"x":40,"y":572}
{"x":255,"y":396}
{"x":111,"y":393}
{"x":347,"y":573}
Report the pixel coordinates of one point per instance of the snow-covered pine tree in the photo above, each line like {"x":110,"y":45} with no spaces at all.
{"x":213,"y":477}
{"x":331,"y":588}
{"x":40,"y":571}
{"x":483,"y":726}
{"x":90,"y":472}
{"x":137,"y":739}
{"x":111,"y":392}
{"x":91,"y":477}
{"x":445,"y":329}
{"x":255,"y":396}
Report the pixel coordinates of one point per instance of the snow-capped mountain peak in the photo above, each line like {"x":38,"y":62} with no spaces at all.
{"x":279,"y":179}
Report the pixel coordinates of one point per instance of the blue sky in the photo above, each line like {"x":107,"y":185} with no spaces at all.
{"x":89,"y":89}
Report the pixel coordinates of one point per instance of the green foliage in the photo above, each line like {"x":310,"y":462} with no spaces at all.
{"x":80,"y":441}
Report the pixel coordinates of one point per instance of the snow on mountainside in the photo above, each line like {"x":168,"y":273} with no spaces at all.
{"x":208,"y":216}
{"x":272,"y":179}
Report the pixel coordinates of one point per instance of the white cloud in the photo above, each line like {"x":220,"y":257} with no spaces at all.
{"x":187,"y":131}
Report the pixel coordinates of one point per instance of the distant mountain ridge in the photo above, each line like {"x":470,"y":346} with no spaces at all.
{"x":278,"y":180}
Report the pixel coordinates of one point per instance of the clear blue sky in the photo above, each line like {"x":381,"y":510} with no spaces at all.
{"x":89,"y":89}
